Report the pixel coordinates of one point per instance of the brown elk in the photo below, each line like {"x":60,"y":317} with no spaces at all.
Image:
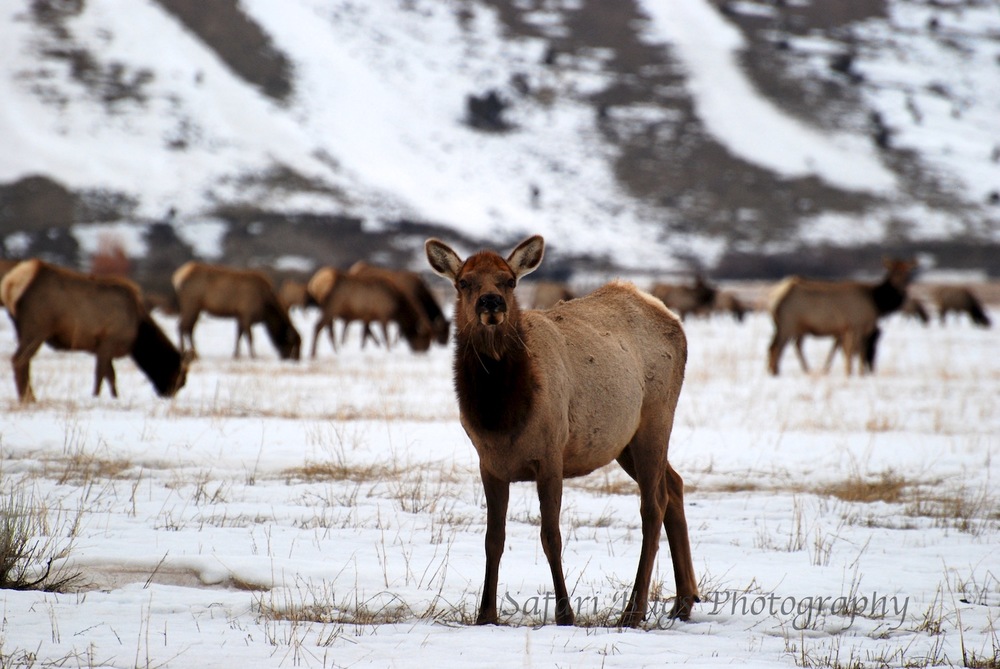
{"x":71,"y":311}
{"x":726,"y":302}
{"x":960,"y":299}
{"x":848,"y":311}
{"x":414,"y":286}
{"x":347,"y":297}
{"x":6,"y":266}
{"x":549,"y":395}
{"x":684,"y":300}
{"x":246,"y":295}
{"x":293,"y":293}
{"x":550,"y":293}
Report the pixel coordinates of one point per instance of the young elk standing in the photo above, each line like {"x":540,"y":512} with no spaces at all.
{"x":848,"y":311}
{"x":246,"y":295}
{"x":75,"y":312}
{"x":548,"y":395}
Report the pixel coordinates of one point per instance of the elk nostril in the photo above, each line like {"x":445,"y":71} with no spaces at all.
{"x":491,"y":302}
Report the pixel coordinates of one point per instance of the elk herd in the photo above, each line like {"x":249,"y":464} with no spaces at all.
{"x":110,"y":317}
{"x":545,"y":393}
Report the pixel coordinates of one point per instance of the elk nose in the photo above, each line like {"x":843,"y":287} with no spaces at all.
{"x":491,"y":302}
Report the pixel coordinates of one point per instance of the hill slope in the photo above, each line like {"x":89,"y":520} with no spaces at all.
{"x":742,"y":138}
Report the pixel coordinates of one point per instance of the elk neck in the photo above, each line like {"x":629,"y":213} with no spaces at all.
{"x":495,"y":380}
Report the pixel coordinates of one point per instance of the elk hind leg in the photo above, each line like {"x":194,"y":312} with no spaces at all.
{"x":646,"y":466}
{"x":675,"y":524}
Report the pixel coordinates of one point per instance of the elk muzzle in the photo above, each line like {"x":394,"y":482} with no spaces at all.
{"x":491,"y":309}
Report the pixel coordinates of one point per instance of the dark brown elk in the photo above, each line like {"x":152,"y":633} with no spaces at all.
{"x":347,"y":297}
{"x":549,"y":293}
{"x":684,"y":300}
{"x":549,"y":395}
{"x":413,"y":286}
{"x":71,"y":311}
{"x":245,"y":295}
{"x":848,"y":311}
{"x":960,"y":299}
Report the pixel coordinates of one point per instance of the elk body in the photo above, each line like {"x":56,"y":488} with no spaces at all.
{"x":76,"y":312}
{"x":960,"y":299}
{"x":549,"y":395}
{"x":848,"y":311}
{"x":369,"y":299}
{"x":412,"y":285}
{"x":685,"y":300}
{"x":245,"y":295}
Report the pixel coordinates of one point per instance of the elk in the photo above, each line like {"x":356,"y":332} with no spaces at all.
{"x":71,"y":311}
{"x":554,"y":394}
{"x":411,"y":284}
{"x":848,"y":311}
{"x":293,"y":293}
{"x":960,"y":300}
{"x":727,"y":302}
{"x":246,"y":295}
{"x":550,"y":293}
{"x":369,"y":299}
{"x":685,"y":300}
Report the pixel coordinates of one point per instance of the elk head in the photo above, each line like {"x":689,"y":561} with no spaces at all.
{"x":486,"y":310}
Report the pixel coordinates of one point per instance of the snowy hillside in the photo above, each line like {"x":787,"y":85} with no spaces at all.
{"x":647,"y":135}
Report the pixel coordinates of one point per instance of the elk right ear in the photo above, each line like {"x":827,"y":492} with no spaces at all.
{"x":526,"y":258}
{"x":443,"y":260}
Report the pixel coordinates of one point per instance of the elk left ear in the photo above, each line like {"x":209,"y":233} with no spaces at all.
{"x":526,"y":258}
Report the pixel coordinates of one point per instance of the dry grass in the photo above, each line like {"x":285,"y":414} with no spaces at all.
{"x":887,"y":486}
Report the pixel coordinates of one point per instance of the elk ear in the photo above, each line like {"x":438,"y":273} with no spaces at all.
{"x":526,"y":258}
{"x":443,"y":260}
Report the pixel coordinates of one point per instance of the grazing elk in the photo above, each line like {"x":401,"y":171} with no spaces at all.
{"x":726,"y":302}
{"x":960,"y":300}
{"x":293,"y":293}
{"x":246,"y":295}
{"x":684,"y":300}
{"x":71,"y":311}
{"x":411,"y":284}
{"x":848,"y":311}
{"x":367,"y":299}
{"x":550,"y":293}
{"x":549,"y":395}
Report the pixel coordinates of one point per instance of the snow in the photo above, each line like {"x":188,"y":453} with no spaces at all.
{"x":329,"y":513}
{"x":379,"y":102}
{"x":751,"y":126}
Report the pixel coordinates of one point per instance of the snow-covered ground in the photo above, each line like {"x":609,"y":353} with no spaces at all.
{"x":328,"y":513}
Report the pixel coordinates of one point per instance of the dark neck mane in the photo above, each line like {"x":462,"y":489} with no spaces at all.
{"x":494,"y":395}
{"x":888,"y":298}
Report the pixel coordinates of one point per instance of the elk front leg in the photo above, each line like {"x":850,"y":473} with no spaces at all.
{"x":497,"y":495}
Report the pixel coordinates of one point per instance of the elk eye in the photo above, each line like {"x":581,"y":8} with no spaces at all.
{"x":511,"y":283}
{"x":463,"y":284}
